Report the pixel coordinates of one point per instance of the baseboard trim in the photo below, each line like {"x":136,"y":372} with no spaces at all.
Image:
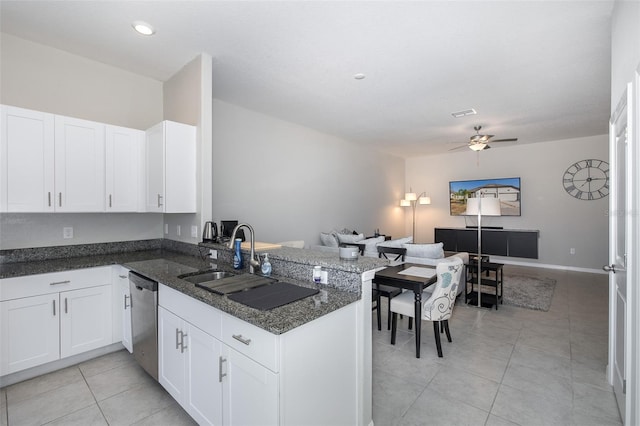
{"x":507,"y":261}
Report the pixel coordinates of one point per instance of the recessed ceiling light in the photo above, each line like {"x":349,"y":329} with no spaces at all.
{"x":464,"y":113}
{"x":143,"y":28}
{"x":359,"y":76}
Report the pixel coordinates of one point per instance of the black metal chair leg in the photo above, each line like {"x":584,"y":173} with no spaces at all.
{"x":445,"y":323}
{"x":389,"y":315}
{"x":436,"y":332}
{"x":394,"y":326}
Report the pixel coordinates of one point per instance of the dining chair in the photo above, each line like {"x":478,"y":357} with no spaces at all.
{"x":438,"y":305}
{"x":395,"y":255}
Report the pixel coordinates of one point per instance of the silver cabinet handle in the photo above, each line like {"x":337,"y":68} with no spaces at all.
{"x":54,"y":308}
{"x":220,"y":373}
{"x":182,"y":345}
{"x":60,"y":282}
{"x":122,"y":276}
{"x":159,"y":200}
{"x":241,"y":339}
{"x":125,"y":302}
{"x":177,"y":339}
{"x":60,"y":198}
{"x":109,"y":200}
{"x":66,"y":307}
{"x":49,"y":197}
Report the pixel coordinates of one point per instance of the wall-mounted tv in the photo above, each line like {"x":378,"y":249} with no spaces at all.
{"x":506,"y":189}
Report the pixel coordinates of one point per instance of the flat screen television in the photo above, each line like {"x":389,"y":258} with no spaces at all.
{"x":506,"y":189}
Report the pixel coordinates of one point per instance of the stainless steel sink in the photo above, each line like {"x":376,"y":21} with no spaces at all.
{"x":206,"y":276}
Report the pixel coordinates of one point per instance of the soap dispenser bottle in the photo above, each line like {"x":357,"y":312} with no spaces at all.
{"x":266,"y":266}
{"x":237,"y":255}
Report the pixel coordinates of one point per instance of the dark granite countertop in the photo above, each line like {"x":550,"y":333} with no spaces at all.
{"x":276,"y":321}
{"x":155,"y":264}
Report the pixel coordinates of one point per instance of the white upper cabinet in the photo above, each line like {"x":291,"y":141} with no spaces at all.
{"x":171,"y":168}
{"x":123,"y":168}
{"x":26,"y":160}
{"x":79,"y":165}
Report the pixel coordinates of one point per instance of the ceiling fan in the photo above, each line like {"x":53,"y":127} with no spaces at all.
{"x":480,"y":142}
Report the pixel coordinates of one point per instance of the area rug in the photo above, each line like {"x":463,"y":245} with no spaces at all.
{"x":528,"y":292}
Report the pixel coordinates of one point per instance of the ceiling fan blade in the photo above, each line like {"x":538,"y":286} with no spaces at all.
{"x":458,"y":147}
{"x":505,"y":140}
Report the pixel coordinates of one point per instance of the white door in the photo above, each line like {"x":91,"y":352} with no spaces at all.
{"x":79,"y":165}
{"x":85,"y":320}
{"x":623,"y":237}
{"x":250,"y":391}
{"x":26,"y":161}
{"x":204,"y":387}
{"x":171,"y":359}
{"x":122,"y":167}
{"x":29,"y":332}
{"x":154,"y":162}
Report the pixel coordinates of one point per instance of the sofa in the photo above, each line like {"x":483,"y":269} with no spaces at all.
{"x":423,"y":254}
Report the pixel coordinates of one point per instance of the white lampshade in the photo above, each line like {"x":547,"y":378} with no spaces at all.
{"x":478,"y":146}
{"x":483,"y":206}
{"x":410,"y":196}
{"x":405,"y":203}
{"x":424,"y":200}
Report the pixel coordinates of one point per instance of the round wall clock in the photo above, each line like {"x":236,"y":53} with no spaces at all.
{"x":587,"y":179}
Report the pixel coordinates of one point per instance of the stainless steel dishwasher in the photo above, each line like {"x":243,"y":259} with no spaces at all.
{"x":144,"y":322}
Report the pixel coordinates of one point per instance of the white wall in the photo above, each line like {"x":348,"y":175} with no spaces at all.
{"x":188,"y":99}
{"x":625,"y":47}
{"x":38,"y":77}
{"x":563,"y":221}
{"x":291,"y":182}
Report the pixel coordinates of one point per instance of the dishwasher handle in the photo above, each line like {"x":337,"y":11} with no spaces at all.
{"x":142,"y":283}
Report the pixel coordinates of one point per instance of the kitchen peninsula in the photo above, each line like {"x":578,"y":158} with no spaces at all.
{"x":305,"y":356}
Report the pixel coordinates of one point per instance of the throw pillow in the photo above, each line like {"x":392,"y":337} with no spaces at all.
{"x":430,"y":251}
{"x":370,"y":245}
{"x":400,"y":242}
{"x":328,"y":239}
{"x":344,"y":238}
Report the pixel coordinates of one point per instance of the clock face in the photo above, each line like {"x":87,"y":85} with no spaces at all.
{"x":587,"y":179}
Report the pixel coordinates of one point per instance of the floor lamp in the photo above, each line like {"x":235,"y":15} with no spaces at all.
{"x":411,"y":200}
{"x":482,"y":207}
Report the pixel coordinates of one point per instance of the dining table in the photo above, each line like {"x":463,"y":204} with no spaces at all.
{"x":409,"y":276}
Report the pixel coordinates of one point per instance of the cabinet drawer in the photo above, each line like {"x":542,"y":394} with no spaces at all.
{"x":54,"y":282}
{"x":205,"y":317}
{"x":252,"y":341}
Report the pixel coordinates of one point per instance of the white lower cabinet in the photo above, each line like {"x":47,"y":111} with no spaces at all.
{"x":51,"y":316}
{"x":85,"y":320}
{"x":122,"y":307}
{"x":188,"y":368}
{"x":30,"y":332}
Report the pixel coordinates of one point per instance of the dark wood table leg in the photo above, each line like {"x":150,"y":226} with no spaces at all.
{"x":418,"y":319}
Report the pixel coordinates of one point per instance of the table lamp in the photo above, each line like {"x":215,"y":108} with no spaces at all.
{"x":480,"y":206}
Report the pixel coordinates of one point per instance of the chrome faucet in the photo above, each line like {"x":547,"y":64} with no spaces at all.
{"x":254,"y":261}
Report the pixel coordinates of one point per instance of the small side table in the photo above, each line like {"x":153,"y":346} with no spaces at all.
{"x":494,"y":278}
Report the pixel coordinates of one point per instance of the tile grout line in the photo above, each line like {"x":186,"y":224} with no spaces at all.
{"x":94,"y":396}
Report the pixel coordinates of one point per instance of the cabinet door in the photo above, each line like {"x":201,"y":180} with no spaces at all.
{"x":122,"y":307}
{"x":204,"y":388}
{"x":79,"y":165}
{"x":250,"y":391}
{"x":180,"y":168}
{"x":29,"y":332}
{"x":154,"y":164}
{"x":123,"y":168}
{"x":86,"y":320}
{"x":171,"y":359}
{"x":26,"y":160}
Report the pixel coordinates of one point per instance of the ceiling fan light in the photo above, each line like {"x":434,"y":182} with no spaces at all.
{"x":478,"y":146}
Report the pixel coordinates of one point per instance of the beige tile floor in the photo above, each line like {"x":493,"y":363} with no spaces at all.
{"x":508,"y":367}
{"x":513,"y":366}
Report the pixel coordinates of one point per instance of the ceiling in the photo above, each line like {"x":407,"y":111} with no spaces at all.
{"x":535,"y":70}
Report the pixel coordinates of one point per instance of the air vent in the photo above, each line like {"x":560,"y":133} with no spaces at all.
{"x":464,"y":113}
